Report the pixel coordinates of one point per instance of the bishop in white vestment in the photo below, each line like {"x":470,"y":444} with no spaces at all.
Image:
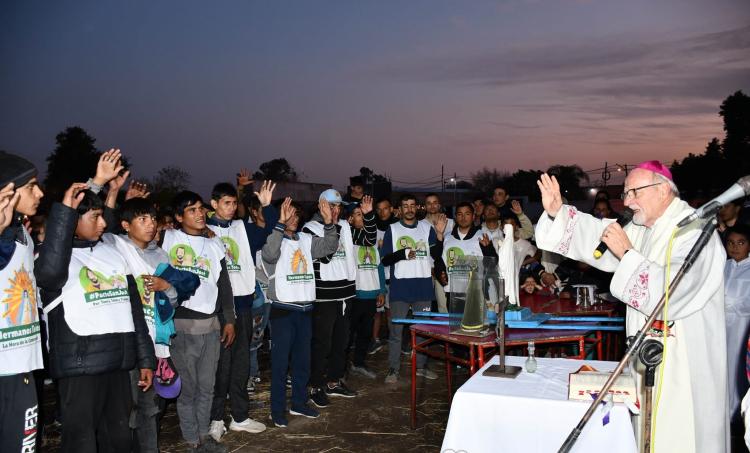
{"x":691,"y":414}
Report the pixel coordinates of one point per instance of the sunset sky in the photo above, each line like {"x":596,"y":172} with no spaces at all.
{"x":398,"y":86}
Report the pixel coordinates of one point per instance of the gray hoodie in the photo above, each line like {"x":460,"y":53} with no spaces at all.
{"x":271,"y":251}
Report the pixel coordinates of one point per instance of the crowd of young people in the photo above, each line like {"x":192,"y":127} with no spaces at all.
{"x":144,"y":304}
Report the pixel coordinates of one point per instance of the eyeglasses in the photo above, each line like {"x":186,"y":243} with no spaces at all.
{"x":634,"y":192}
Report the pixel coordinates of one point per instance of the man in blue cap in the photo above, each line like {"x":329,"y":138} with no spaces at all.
{"x":334,"y":287}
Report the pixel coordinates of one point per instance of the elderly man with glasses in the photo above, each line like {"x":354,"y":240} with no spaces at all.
{"x":690,"y":415}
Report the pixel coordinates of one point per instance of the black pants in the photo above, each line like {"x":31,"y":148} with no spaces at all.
{"x":96,"y":409}
{"x":233,"y":372}
{"x":330,"y":337}
{"x":359,"y":314}
{"x":18,"y":413}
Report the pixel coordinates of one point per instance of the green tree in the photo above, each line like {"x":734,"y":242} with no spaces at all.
{"x":570,"y":178}
{"x":276,"y":170}
{"x":485,"y":180}
{"x":735,"y":110}
{"x":722,"y":162}
{"x":167,"y":183}
{"x":523,"y":182}
{"x":74,"y":159}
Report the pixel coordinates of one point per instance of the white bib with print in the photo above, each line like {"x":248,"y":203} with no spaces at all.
{"x":95,"y":297}
{"x":368,"y":259}
{"x":417,"y":239}
{"x":294,"y":278}
{"x":238,"y":257}
{"x":453,"y":249}
{"x":342,"y":265}
{"x":201,"y":256}
{"x":20,"y":338}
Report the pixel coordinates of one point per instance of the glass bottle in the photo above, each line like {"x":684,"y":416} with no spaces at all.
{"x":531,"y":361}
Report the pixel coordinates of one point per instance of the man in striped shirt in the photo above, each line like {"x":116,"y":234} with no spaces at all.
{"x":334,"y":287}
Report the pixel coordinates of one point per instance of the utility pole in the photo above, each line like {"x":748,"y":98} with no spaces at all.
{"x":442,"y":180}
{"x":606,"y":174}
{"x":455,"y":183}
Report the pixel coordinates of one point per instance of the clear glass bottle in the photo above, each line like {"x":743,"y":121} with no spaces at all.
{"x":531,"y":361}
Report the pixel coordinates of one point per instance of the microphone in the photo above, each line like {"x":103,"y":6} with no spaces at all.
{"x":625,"y":218}
{"x":738,"y":190}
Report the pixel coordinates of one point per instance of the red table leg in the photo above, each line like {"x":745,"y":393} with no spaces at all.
{"x":599,"y":346}
{"x":472,"y":360}
{"x":582,"y":348}
{"x":448,"y":371}
{"x":413,"y":380}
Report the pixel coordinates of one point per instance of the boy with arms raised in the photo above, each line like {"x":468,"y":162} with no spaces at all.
{"x":287,"y":261}
{"x":234,"y":363}
{"x":97,"y":331}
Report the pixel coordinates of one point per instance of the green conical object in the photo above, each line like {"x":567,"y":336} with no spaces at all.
{"x":473,"y":319}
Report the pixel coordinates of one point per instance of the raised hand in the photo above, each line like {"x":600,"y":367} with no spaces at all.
{"x":244,"y":178}
{"x":74,"y":195}
{"x":515,"y":206}
{"x":485,"y":240}
{"x":265,"y":194}
{"x":8,"y":201}
{"x":137,"y":190}
{"x":116,"y":183}
{"x":325,"y":211}
{"x":441,"y":223}
{"x":366,"y":205}
{"x":109,"y":167}
{"x":550,"y":190}
{"x":287,"y":211}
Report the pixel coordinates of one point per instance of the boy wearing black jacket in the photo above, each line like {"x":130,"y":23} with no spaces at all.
{"x":97,"y":331}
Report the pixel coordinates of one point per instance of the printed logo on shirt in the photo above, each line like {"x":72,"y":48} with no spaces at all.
{"x":232,"y":254}
{"x":406,"y":242}
{"x":99,"y":290}
{"x":366,"y":258}
{"x":19,"y":306}
{"x":20,"y":319}
{"x":147,"y":299}
{"x":183,"y":257}
{"x":340,"y":252}
{"x":30,"y":429}
{"x":299,"y":268}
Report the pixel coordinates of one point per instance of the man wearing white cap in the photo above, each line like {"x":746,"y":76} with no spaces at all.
{"x":690,"y":415}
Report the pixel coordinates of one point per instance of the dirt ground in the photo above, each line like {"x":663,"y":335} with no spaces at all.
{"x":376,"y":420}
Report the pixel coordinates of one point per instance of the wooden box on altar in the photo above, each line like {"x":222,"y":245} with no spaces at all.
{"x":587,"y":382}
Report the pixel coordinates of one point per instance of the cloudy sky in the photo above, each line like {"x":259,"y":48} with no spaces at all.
{"x":398,"y":86}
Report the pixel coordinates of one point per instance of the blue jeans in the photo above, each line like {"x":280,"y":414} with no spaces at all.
{"x":292,"y":334}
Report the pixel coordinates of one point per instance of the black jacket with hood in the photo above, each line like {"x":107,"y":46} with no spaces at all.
{"x":71,"y":354}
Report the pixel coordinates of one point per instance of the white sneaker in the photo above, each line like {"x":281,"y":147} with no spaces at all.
{"x":427,"y":373}
{"x":217,"y":429}
{"x":249,"y":426}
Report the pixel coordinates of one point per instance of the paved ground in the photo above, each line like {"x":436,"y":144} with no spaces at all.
{"x":376,"y":420}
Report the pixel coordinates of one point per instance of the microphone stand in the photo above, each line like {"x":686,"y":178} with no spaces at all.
{"x":707,"y":230}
